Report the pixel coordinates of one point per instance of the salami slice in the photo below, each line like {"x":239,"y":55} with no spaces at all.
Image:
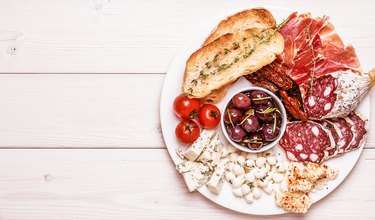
{"x":320,"y":99}
{"x":359,"y":128}
{"x":306,"y":141}
{"x":346,"y":131}
{"x":337,"y":137}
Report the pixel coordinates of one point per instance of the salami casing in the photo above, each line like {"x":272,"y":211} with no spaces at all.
{"x":335,"y":94}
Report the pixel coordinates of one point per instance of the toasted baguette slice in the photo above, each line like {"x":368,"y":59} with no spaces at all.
{"x":226,"y":59}
{"x":252,"y":18}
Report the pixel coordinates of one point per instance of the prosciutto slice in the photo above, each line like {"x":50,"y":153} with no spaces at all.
{"x":312,"y":44}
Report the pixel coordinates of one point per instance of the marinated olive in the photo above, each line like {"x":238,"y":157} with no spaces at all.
{"x":265,"y":113}
{"x":241,"y":101}
{"x":270,"y":132}
{"x":236,"y":133}
{"x":250,"y":123}
{"x":232,"y":115}
{"x":255,"y":141}
{"x":259,"y":97}
{"x":270,"y":104}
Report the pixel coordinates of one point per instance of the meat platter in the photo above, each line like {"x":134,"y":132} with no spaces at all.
{"x":324,"y":97}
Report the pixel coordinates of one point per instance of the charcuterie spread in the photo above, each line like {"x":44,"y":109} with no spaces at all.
{"x":298,"y":111}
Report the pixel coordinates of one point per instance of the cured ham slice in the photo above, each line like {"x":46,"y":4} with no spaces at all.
{"x":335,"y":94}
{"x":313,"y":48}
{"x":306,"y":141}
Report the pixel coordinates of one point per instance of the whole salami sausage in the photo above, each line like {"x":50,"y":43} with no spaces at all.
{"x":306,"y":141}
{"x":335,"y":94}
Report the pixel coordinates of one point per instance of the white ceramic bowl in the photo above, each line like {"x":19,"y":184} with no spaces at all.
{"x":280,"y":107}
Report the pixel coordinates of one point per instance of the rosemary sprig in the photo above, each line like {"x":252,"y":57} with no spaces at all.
{"x":254,"y":141}
{"x":248,"y":113}
{"x":230,"y":118}
{"x":268,"y":110}
{"x":274,"y":123}
{"x":312,"y":70}
{"x":245,"y":119}
{"x":262,"y":98}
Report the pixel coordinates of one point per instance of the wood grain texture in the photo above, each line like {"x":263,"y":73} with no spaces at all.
{"x":80,"y":111}
{"x":122,"y":184}
{"x":86,"y":111}
{"x":139,"y":36}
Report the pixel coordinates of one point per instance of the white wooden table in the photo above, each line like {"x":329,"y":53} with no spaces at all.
{"x":80,"y":86}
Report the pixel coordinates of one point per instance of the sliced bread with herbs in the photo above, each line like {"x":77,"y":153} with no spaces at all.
{"x":232,"y":55}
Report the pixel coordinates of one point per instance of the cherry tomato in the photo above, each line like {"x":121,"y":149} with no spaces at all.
{"x":187,"y":131}
{"x":186,"y":108}
{"x":209,"y":116}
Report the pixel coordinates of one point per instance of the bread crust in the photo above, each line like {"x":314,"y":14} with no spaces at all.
{"x":259,"y":18}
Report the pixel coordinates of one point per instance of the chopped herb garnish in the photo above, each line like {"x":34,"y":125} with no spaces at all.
{"x":236,"y":45}
{"x":216,"y":57}
{"x":250,"y":184}
{"x":202,"y":75}
{"x":190,"y":90}
{"x":248,"y":53}
{"x":222,"y":67}
{"x":226,"y":51}
{"x":194,"y":81}
{"x":236,"y":59}
{"x":208,"y":64}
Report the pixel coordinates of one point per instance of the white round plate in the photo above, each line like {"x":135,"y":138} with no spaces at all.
{"x":172,"y":87}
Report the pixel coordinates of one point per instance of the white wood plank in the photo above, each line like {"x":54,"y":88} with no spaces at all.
{"x":123,"y":184}
{"x":138,"y":36}
{"x":86,"y":111}
{"x":69,"y":111}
